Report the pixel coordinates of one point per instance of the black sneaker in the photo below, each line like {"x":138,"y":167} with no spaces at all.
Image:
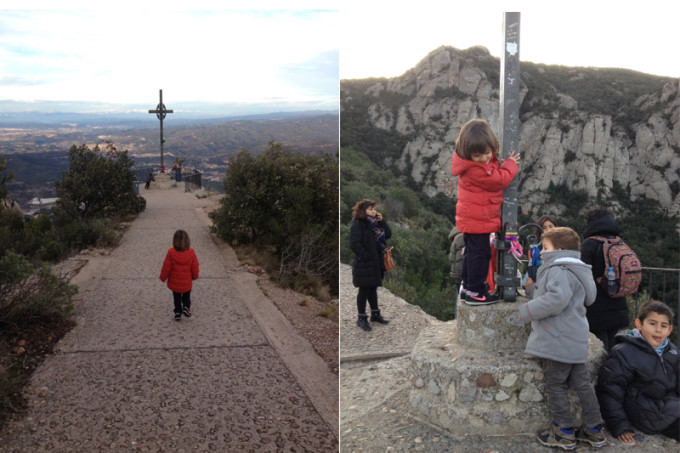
{"x":178,"y":316}
{"x":556,"y":437}
{"x":594,"y":436}
{"x":186,"y":312}
{"x":472,"y":298}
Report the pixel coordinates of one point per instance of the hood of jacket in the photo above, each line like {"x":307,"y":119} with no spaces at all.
{"x":460,"y":165}
{"x":184,"y":257}
{"x":559,"y":328}
{"x":581,"y":270}
{"x":604,"y":225}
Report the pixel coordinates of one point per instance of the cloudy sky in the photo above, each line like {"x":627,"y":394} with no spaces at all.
{"x":293,"y":52}
{"x":126,"y":53}
{"x":387,"y":40}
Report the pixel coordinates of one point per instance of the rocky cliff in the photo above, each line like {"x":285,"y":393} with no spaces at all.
{"x":600,"y":132}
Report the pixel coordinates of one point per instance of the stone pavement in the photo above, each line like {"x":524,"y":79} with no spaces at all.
{"x":233,"y":377}
{"x":377,"y":384}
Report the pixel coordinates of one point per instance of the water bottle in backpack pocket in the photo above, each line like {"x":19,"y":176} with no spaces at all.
{"x":612,"y":284}
{"x":623,"y":263}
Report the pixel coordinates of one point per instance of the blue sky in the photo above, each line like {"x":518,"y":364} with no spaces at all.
{"x":124,"y":54}
{"x":387,"y":41}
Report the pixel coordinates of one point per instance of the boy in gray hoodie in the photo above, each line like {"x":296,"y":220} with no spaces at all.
{"x":559,"y":335}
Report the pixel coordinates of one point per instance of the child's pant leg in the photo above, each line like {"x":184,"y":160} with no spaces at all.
{"x":177,"y":299}
{"x":476,"y":261}
{"x":186,"y":299}
{"x":580,"y":382}
{"x":556,"y":376}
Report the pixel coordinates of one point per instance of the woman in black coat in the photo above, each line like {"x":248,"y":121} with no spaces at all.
{"x":607,"y":315}
{"x":367,"y":238}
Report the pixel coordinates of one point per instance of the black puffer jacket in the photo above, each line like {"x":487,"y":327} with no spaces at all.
{"x":368,"y":267}
{"x":606,"y":313}
{"x":638,"y":388}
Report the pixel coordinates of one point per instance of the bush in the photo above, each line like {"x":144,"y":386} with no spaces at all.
{"x":286,"y":202}
{"x":29,"y":295}
{"x":94,"y":194}
{"x":99,"y":184}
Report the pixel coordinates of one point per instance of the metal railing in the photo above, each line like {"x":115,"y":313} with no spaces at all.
{"x":665,"y":292}
{"x":192,"y":180}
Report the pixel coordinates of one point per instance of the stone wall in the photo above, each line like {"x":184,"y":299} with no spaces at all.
{"x":471,"y":376}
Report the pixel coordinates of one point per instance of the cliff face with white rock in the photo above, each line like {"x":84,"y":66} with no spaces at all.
{"x":602,"y":132}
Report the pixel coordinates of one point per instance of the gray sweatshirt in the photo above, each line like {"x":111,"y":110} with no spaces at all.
{"x":559,"y":328}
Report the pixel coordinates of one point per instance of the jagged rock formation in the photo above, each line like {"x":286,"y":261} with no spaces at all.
{"x":606,"y":132}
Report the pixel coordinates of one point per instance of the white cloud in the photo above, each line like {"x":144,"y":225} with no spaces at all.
{"x":387,"y":41}
{"x":127,"y":54}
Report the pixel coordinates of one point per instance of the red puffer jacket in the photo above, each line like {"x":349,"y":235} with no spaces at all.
{"x":480,"y":193}
{"x":180,"y":269}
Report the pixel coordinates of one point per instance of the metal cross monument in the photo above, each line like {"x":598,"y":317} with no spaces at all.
{"x":160,"y":112}
{"x":506,"y":277}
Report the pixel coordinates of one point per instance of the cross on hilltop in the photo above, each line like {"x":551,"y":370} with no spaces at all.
{"x":160,"y":112}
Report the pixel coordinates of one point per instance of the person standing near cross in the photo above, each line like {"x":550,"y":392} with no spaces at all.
{"x":160,"y":112}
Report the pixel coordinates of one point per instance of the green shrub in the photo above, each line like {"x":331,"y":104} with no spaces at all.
{"x":286,"y":202}
{"x":29,"y":295}
{"x":99,"y":183}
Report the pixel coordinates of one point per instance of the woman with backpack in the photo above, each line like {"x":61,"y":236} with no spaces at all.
{"x":608,"y":314}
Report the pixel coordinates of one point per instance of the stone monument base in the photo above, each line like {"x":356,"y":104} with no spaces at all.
{"x":163,"y":181}
{"x":469,"y":388}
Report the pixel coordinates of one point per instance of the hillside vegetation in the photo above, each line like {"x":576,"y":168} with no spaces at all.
{"x":420,"y":227}
{"x":588,"y":137}
{"x":95,"y":196}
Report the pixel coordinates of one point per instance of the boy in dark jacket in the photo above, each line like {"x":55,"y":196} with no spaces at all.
{"x":639,"y":383}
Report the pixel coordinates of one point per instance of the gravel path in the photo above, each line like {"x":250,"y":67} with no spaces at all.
{"x":235,"y":376}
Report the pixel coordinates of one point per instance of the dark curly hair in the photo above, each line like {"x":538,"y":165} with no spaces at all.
{"x":359,"y":209}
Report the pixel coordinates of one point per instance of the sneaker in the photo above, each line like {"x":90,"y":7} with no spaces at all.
{"x":594,"y":436}
{"x":472,"y":298}
{"x":557,"y":437}
{"x":186,"y":312}
{"x":178,"y":316}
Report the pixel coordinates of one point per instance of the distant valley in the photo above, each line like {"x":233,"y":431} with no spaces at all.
{"x":36,"y":146}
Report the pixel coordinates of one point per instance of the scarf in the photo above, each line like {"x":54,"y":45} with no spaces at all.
{"x":659,"y":350}
{"x":379,"y":233}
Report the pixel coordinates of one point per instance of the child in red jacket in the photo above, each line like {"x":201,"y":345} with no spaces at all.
{"x":481,"y":180}
{"x":180,"y":269}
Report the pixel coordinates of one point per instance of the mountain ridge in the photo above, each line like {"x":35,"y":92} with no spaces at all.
{"x":589,"y":129}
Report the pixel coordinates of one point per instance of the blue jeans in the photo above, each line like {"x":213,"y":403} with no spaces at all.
{"x":181,"y":299}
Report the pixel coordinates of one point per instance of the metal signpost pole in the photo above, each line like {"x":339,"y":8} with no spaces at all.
{"x":506,"y":277}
